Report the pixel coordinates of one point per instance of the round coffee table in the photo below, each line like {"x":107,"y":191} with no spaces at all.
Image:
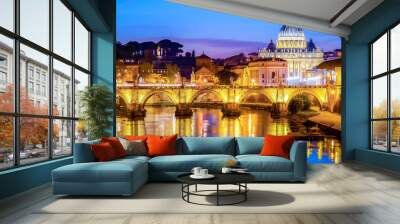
{"x":238,"y":179}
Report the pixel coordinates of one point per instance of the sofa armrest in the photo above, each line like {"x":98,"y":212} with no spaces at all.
{"x":83,"y":152}
{"x":298,"y":155}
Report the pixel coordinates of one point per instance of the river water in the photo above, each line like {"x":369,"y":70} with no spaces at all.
{"x":210,"y":122}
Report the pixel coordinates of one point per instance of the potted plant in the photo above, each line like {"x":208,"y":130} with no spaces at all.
{"x":96,"y":103}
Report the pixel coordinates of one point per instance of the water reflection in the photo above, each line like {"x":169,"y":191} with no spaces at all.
{"x":210,"y":122}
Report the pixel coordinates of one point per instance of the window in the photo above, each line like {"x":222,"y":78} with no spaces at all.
{"x":6,"y":142}
{"x":395,"y":47}
{"x":30,"y":72}
{"x":62,"y":29}
{"x":385,"y":96}
{"x":30,"y":87}
{"x":35,"y":21}
{"x":44,"y":91}
{"x":6,"y":73}
{"x":39,"y":61}
{"x":62,"y":137}
{"x":7,"y":14}
{"x":46,"y":76}
{"x":37,"y":89}
{"x":81,"y":82}
{"x":81,"y":45}
{"x":3,"y":61}
{"x":33,"y":147}
{"x":62,"y":74}
{"x":3,"y":78}
{"x":37,"y":75}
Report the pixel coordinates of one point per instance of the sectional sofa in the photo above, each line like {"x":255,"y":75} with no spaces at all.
{"x":125,"y":176}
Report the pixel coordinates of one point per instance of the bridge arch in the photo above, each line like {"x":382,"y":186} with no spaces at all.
{"x":206,"y":92}
{"x":250,"y":93}
{"x":319,"y":99}
{"x":121,"y":106}
{"x":170,"y":95}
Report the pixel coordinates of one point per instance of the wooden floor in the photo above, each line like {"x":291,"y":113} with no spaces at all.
{"x":379,"y":190}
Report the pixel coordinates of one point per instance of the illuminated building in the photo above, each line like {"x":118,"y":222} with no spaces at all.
{"x":127,"y":72}
{"x":268,"y":72}
{"x":244,"y":75}
{"x":204,"y":76}
{"x":332,"y":70}
{"x":204,"y":61}
{"x":262,"y":72}
{"x":299,"y":54}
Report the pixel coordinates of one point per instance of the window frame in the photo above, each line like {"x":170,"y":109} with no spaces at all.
{"x":388,"y":74}
{"x":16,"y":114}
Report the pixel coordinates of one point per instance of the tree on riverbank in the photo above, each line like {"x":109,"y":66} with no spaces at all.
{"x":299,"y":103}
{"x":226,"y":77}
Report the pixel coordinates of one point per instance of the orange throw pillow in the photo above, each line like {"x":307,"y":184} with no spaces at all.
{"x":116,"y":145}
{"x":103,"y":152}
{"x":135,"y":138}
{"x":161,"y":145}
{"x":277,"y":146}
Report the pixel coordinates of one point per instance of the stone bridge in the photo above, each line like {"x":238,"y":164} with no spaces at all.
{"x":134,"y":97}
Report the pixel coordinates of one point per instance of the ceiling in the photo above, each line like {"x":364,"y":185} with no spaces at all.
{"x":328,"y":16}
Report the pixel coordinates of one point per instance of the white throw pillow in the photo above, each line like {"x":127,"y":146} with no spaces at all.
{"x":136,"y":147}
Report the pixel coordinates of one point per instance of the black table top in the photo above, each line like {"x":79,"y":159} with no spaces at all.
{"x":220,"y":178}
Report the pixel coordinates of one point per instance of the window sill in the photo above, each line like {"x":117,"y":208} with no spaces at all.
{"x":30,"y":166}
{"x":382,"y":159}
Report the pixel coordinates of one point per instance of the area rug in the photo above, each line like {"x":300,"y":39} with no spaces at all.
{"x":166,"y":198}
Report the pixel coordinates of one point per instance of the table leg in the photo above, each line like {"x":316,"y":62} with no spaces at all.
{"x":245,"y":193}
{"x":195,"y":188}
{"x":188,"y":190}
{"x":217,"y":194}
{"x":182,"y":190}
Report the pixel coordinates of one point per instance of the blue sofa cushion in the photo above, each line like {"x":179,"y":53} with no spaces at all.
{"x":249,"y":145}
{"x":83,"y":153}
{"x":257,"y":163}
{"x":185,"y":163}
{"x":209,"y":145}
{"x":111,"y":171}
{"x":133,"y":158}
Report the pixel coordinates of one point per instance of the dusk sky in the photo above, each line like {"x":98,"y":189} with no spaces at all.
{"x":218,"y":35}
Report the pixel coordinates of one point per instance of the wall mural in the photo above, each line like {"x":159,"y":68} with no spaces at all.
{"x":196,"y":72}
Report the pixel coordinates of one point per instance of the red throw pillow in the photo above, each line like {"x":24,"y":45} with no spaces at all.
{"x":161,"y":145}
{"x":103,"y":152}
{"x":116,"y":145}
{"x":277,"y":146}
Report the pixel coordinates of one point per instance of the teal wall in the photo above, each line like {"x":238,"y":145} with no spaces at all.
{"x":103,"y":64}
{"x":99,"y":16}
{"x":103,"y":51}
{"x":356,"y":85}
{"x":24,"y":178}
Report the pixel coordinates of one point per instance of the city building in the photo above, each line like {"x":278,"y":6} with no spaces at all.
{"x":268,"y":72}
{"x":262,"y":72}
{"x":204,"y":76}
{"x":244,"y":75}
{"x":332,"y":70}
{"x":300,"y":54}
{"x":204,"y":61}
{"x":127,"y":71}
